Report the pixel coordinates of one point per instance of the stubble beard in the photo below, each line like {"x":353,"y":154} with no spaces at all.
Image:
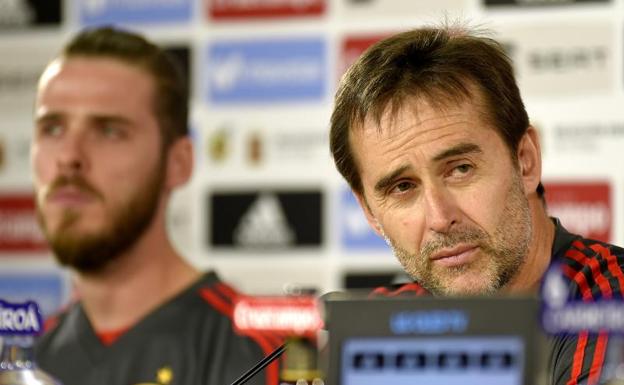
{"x":502,"y":254}
{"x":93,"y":252}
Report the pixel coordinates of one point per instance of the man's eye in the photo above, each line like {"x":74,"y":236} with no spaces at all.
{"x":402,"y":187}
{"x":463,"y":168}
{"x":51,"y":129}
{"x":110,"y":131}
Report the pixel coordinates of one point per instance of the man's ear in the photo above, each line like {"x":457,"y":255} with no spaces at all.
{"x":180,"y":161}
{"x":370,"y":218}
{"x":530,"y":160}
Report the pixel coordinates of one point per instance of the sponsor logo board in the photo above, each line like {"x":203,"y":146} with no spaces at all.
{"x":3,"y":155}
{"x":14,"y":154}
{"x":20,"y":74}
{"x":532,"y":3}
{"x":259,"y":145}
{"x":353,"y":46}
{"x":356,"y":233}
{"x":18,"y":14}
{"x":589,"y":138}
{"x":562,"y":59}
{"x":219,"y":143}
{"x":375,"y":9}
{"x":261,"y":9}
{"x":134,"y":11}
{"x":298,"y":146}
{"x":583,"y":207}
{"x":265,"y":71}
{"x":265,"y":220}
{"x":19,"y":229}
{"x":49,"y":288}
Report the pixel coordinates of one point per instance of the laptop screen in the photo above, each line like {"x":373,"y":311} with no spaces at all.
{"x":433,"y":341}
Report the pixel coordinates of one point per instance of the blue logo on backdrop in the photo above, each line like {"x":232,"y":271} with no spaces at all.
{"x":94,"y":12}
{"x":49,"y":290}
{"x":265,"y":71}
{"x":355,"y":231}
{"x":429,"y":322}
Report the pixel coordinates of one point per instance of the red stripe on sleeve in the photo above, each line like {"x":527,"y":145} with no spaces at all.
{"x":612,"y":263}
{"x":580,"y":280}
{"x":579,"y":353}
{"x":599,"y":355}
{"x":265,"y":342}
{"x":594,"y":266}
{"x":227,"y":291}
{"x":579,"y":356}
{"x":579,"y":245}
{"x":600,"y":279}
{"x":217,"y":302}
{"x":606,"y":291}
{"x":568,"y":271}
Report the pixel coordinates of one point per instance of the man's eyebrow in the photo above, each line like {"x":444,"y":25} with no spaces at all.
{"x":460,"y":149}
{"x":100,"y":119}
{"x":48,"y":117}
{"x":387,"y":180}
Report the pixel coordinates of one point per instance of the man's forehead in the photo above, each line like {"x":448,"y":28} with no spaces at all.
{"x":434,"y":133}
{"x":418,"y":117}
{"x":95,"y":74}
{"x":441,"y":100}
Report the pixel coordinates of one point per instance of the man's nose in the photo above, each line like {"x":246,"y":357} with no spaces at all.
{"x":72,"y":155}
{"x":441,"y":211}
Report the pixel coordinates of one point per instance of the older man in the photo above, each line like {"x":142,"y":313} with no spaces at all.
{"x":431,"y":133}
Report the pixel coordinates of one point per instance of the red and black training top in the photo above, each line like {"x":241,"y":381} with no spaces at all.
{"x":189,"y":340}
{"x":593,"y":270}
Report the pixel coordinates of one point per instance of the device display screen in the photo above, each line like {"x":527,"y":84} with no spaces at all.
{"x":487,"y":360}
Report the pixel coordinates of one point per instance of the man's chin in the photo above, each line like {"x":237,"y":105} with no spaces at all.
{"x":83,"y":264}
{"x":466,"y":284}
{"x":76,"y":231}
{"x":81,"y":251}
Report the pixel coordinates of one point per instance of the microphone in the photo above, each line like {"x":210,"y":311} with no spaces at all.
{"x":290,"y":317}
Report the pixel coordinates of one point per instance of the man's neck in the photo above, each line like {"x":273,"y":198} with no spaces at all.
{"x":145,"y":277}
{"x":538,"y":258}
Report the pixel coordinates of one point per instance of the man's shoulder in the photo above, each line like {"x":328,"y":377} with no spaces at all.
{"x":220,"y":298}
{"x":595,"y":268}
{"x":60,"y":328}
{"x":195,"y":325}
{"x":585,"y":250}
{"x":211,"y":296}
{"x":567,"y":245}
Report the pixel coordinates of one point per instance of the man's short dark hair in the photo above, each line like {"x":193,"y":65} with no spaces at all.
{"x":171,"y":90}
{"x":441,"y":65}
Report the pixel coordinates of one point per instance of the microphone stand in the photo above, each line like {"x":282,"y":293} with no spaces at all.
{"x":260,"y":365}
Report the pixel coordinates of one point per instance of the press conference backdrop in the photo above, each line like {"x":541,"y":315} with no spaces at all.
{"x":266,"y":206}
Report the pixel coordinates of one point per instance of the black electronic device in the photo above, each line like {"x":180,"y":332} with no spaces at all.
{"x":434,"y":341}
